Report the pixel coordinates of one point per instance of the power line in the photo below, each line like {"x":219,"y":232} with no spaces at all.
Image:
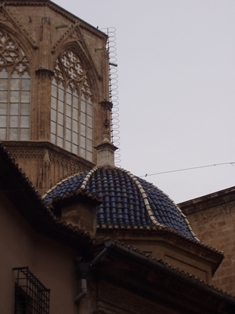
{"x":232,"y":163}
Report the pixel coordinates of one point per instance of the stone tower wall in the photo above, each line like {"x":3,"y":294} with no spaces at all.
{"x":212,"y":219}
{"x":43,"y":31}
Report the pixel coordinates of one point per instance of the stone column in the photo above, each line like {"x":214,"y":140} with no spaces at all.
{"x":43,"y":77}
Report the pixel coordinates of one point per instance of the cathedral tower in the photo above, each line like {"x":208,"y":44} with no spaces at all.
{"x":53,"y":83}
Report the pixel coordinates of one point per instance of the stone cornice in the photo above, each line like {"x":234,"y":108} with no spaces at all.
{"x":208,"y":201}
{"x":163,"y":235}
{"x":59,"y":10}
{"x":46,"y":145}
{"x":91,"y":30}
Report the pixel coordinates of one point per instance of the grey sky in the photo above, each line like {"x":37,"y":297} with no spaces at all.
{"x":176,"y":73}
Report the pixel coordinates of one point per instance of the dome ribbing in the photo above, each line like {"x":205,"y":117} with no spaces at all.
{"x":128,"y":202}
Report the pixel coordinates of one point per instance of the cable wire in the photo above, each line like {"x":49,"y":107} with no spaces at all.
{"x":232,"y":163}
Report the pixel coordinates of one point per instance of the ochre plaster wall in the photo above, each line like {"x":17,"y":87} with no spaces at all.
{"x":51,"y":262}
{"x":215,"y":226}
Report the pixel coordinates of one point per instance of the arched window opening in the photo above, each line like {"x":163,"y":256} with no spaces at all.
{"x":14,"y":90}
{"x":71,"y":106}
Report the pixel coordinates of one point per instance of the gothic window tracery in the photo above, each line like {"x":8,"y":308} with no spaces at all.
{"x":71,"y":106}
{"x":14,"y":90}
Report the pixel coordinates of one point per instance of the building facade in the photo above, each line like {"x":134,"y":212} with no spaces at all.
{"x":79,"y":235}
{"x":51,"y":266}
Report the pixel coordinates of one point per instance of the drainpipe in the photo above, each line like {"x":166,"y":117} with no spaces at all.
{"x":83,"y":291}
{"x":83,"y":270}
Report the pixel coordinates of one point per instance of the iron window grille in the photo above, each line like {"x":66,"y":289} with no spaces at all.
{"x":31,"y":296}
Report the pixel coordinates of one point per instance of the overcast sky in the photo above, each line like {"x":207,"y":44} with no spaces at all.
{"x":176,"y":83}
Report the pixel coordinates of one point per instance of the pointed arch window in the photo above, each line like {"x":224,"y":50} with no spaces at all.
{"x":71,"y":106}
{"x":14,"y":90}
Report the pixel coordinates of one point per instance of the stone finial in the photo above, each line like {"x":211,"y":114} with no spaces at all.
{"x":107,"y":107}
{"x":105,"y":150}
{"x":105,"y":153}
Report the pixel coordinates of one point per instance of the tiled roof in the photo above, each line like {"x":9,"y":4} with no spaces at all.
{"x":65,"y":187}
{"x":128,"y":202}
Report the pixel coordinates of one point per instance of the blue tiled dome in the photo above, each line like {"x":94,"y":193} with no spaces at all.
{"x":127,"y":201}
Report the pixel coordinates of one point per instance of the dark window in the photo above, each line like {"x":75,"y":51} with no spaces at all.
{"x":31,"y":296}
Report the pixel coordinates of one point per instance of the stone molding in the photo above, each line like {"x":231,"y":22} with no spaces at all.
{"x":59,"y":10}
{"x":51,"y":164}
{"x":173,"y":239}
{"x":17,"y":148}
{"x":208,"y":201}
{"x":73,"y":39}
